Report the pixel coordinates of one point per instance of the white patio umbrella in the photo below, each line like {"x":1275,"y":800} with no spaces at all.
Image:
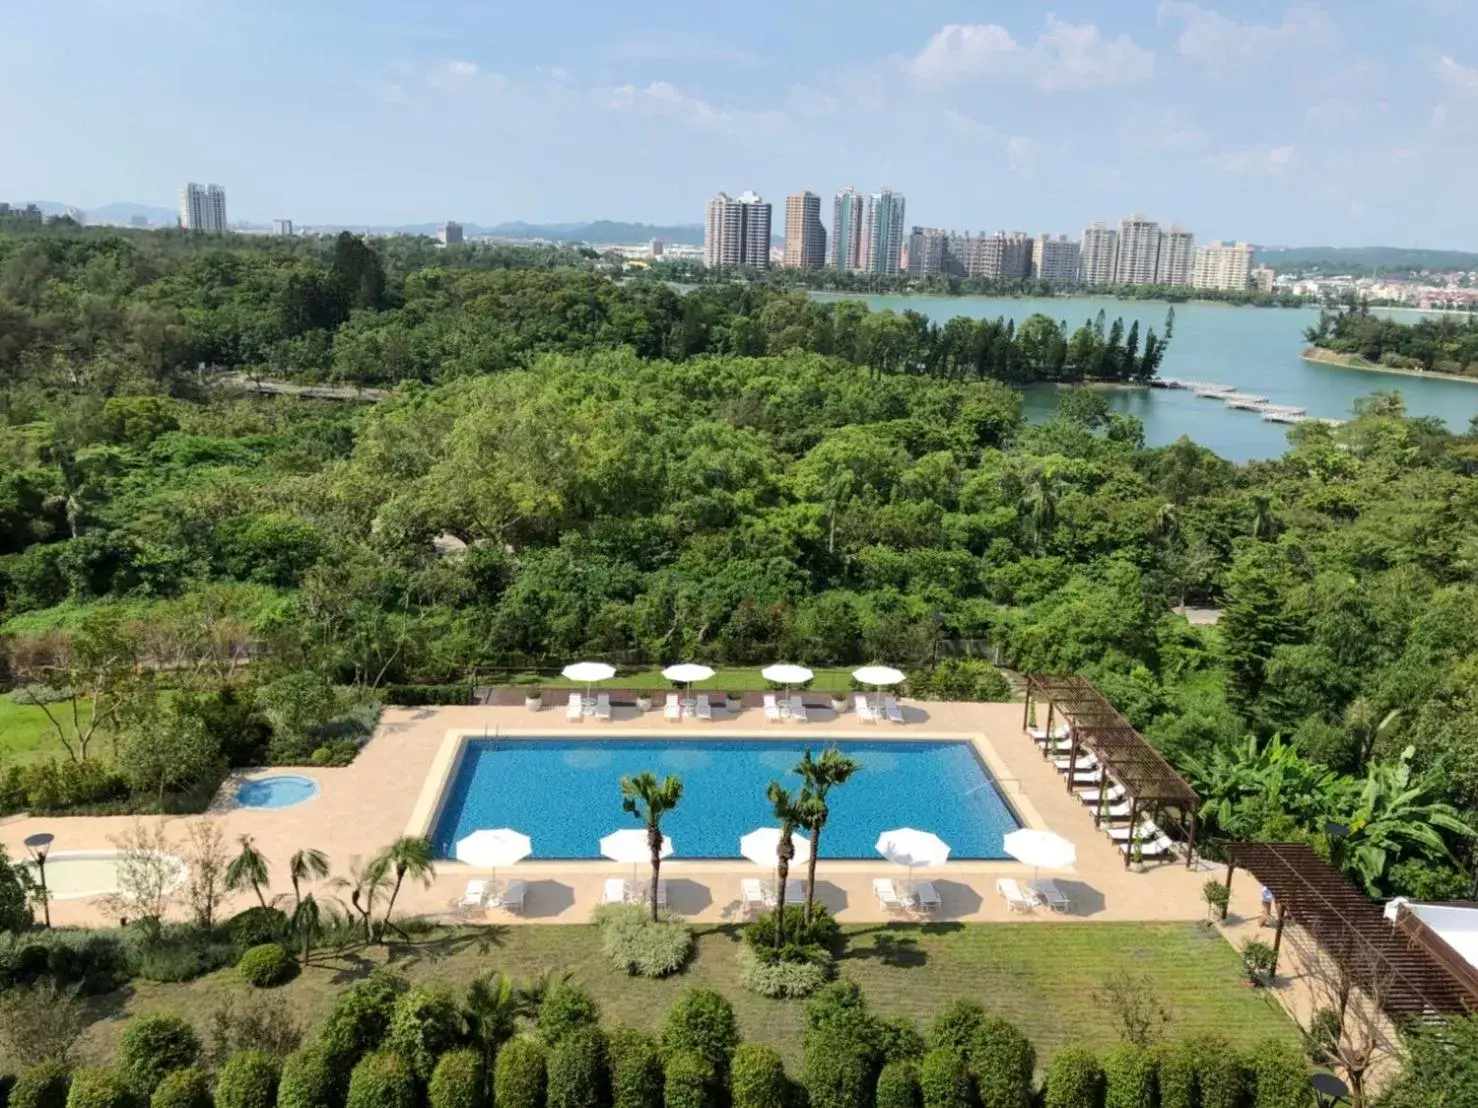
{"x":907,"y":846}
{"x":492,"y":848}
{"x":686,"y":673}
{"x":879,"y":676}
{"x":1040,"y":849}
{"x":630,"y":845}
{"x":759,"y":847}
{"x":589,"y":672}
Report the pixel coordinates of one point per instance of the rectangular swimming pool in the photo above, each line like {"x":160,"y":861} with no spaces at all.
{"x":566,"y":794}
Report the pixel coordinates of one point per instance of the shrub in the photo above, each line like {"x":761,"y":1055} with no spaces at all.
{"x":98,"y":1087}
{"x":1074,"y":1080}
{"x":898,"y":1040}
{"x":1175,"y":1074}
{"x":1129,"y":1077}
{"x":359,"y":1019}
{"x":577,"y":1070}
{"x":189,"y":1088}
{"x":702,"y":1023}
{"x":898,"y":1086}
{"x":458,"y":1081}
{"x":823,"y":931}
{"x":566,"y":1008}
{"x":839,"y":1072}
{"x":179,"y":954}
{"x":266,"y":966}
{"x":959,"y":679}
{"x":1221,"y":1074}
{"x":247,"y":1080}
{"x":1321,"y":1041}
{"x":782,"y":978}
{"x":310,"y":1080}
{"x":425,"y":1024}
{"x":1257,"y":961}
{"x":955,"y":1026}
{"x":154,"y":1045}
{"x":43,"y":1086}
{"x":94,"y":962}
{"x":841,"y":1009}
{"x":636,"y":1069}
{"x":1002,"y":1060}
{"x":1216,"y":895}
{"x":1280,"y":1078}
{"x":631,"y":942}
{"x":383,"y":1079}
{"x":688,"y":1082}
{"x":417,"y":696}
{"x":757,"y":1077}
{"x":7,"y":1082}
{"x":520,"y":1075}
{"x":257,"y":926}
{"x":944,"y":1080}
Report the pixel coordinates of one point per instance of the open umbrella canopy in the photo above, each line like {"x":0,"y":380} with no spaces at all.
{"x":783,"y":674}
{"x":1043,"y":849}
{"x":493,"y":848}
{"x":589,"y":671}
{"x":687,"y":672}
{"x":909,"y":847}
{"x":631,"y":846}
{"x":759,"y":847}
{"x":878,"y":675}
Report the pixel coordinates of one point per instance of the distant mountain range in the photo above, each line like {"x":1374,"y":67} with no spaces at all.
{"x":1393,"y":259}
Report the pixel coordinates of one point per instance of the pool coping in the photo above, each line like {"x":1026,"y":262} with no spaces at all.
{"x":437,"y":784}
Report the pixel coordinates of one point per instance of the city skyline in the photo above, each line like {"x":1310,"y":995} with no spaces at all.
{"x":1247,"y":120}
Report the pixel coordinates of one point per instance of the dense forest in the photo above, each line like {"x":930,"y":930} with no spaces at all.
{"x":1445,"y":344}
{"x":736,"y":474}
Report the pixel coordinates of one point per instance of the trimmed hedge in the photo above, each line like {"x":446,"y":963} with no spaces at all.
{"x":1221,"y":1074}
{"x":360,"y":1019}
{"x":41,"y":1086}
{"x":944,"y":1080}
{"x":898,"y":1086}
{"x":565,"y":1009}
{"x":1175,"y":1074}
{"x":632,"y":943}
{"x":310,"y":1080}
{"x":839,"y":1072}
{"x":460,"y":1080}
{"x":1002,"y":1061}
{"x":247,"y":1080}
{"x":955,"y":1026}
{"x":425,"y":1023}
{"x":577,"y":1075}
{"x":702,"y":1022}
{"x":1129,"y":1077}
{"x":1074,"y":1080}
{"x":1280,"y":1077}
{"x":636,"y":1069}
{"x":184,"y":1089}
{"x":154,"y":1046}
{"x":519,"y":1080}
{"x":757,"y":1077}
{"x":688,"y":1082}
{"x":266,"y":966}
{"x":99,"y":1087}
{"x":786,"y":979}
{"x":383,"y":1079}
{"x":257,"y":926}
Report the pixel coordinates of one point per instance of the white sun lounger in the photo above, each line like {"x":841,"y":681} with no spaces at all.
{"x":864,"y":708}
{"x":752,"y":894}
{"x":1048,"y":891}
{"x":672,"y":711}
{"x":1157,"y":847}
{"x":795,"y":892}
{"x":1016,"y":900}
{"x":772,"y":709}
{"x":1086,"y":761}
{"x":575,"y":710}
{"x":1146,"y":831}
{"x":511,"y":899}
{"x":798,"y":709}
{"x":638,"y":892}
{"x":705,"y":709}
{"x":475,"y":895}
{"x":882,"y":888}
{"x":1039,"y":736}
{"x":894,"y":709}
{"x":603,"y":707}
{"x":1092,"y":794}
{"x":926,"y":896}
{"x":615,"y":891}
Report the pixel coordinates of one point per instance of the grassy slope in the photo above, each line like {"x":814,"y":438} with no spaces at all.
{"x":1038,"y":975}
{"x":27,"y":736}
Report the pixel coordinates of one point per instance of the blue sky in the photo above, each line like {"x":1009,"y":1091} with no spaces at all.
{"x":1347,"y":122}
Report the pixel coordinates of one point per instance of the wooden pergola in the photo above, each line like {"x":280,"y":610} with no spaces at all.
{"x":1352,"y":931}
{"x":1095,"y":725}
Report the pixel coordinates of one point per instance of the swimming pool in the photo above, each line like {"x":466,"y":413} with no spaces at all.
{"x":282,"y":790}
{"x":566,"y":794}
{"x":73,"y":874}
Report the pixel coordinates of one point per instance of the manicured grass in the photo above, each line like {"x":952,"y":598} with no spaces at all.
{"x":728,"y":679}
{"x":1040,"y":976}
{"x":26,"y":735}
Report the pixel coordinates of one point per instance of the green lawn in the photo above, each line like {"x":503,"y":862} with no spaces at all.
{"x":26,"y":735}
{"x":1040,"y":976}
{"x":727,"y":679}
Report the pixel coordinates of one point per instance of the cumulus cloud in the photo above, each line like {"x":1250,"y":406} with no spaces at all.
{"x":666,"y":99}
{"x":1064,"y":57}
{"x":1268,"y":161}
{"x":1457,"y":76}
{"x":1224,"y":46}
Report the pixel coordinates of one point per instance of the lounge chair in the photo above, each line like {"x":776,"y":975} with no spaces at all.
{"x":1016,"y":900}
{"x":704,"y":709}
{"x":894,"y":709}
{"x":511,"y":899}
{"x":1146,"y":831}
{"x":575,"y":711}
{"x":864,"y":709}
{"x":752,"y":894}
{"x":603,"y":707}
{"x":1157,"y":846}
{"x":1046,"y":889}
{"x":614,"y":892}
{"x":673,"y":710}
{"x":882,"y":888}
{"x":639,"y":892}
{"x":797,"y":709}
{"x":1120,"y":810}
{"x":1083,"y":776}
{"x":475,"y":895}
{"x":772,"y":709}
{"x":795,"y":892}
{"x":926,"y":896}
{"x":1091,"y":794}
{"x":1087,"y":760}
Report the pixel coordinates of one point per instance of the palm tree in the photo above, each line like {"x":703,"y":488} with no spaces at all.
{"x":789,"y":813}
{"x":649,"y":800}
{"x":1263,"y":520}
{"x":306,"y":920}
{"x":306,"y":865}
{"x":406,"y":857}
{"x":248,"y":868}
{"x":1366,"y":730}
{"x":1167,"y":521}
{"x":1039,"y":502}
{"x":820,"y":776}
{"x":366,"y":881}
{"x":493,"y":1005}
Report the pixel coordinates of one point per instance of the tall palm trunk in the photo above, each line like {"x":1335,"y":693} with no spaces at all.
{"x":811,"y":865}
{"x":654,"y":840}
{"x":783,"y":856}
{"x":390,"y":904}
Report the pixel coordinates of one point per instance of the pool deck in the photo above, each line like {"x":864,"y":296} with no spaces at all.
{"x":393,"y":788}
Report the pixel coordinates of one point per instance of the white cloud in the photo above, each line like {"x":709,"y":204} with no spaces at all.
{"x":451,"y":73}
{"x":1270,"y":161}
{"x":667,"y":100}
{"x":1457,"y":76}
{"x":1224,"y":47}
{"x":1065,"y":57}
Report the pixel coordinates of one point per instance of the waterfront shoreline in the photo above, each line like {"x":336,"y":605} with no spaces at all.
{"x":1317,"y":355}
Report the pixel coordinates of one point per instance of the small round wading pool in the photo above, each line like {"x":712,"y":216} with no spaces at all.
{"x":280,"y":791}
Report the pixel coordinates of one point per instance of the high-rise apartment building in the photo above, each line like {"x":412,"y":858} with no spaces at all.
{"x":846,"y":229}
{"x":928,"y":247}
{"x":1222,"y":265}
{"x":1100,"y":254}
{"x":1139,"y":251}
{"x":450,"y":233}
{"x":882,"y":232}
{"x":203,"y":208}
{"x":1177,"y":255}
{"x":805,"y":237}
{"x":282,"y":227}
{"x":1000,"y":257}
{"x":737,"y":232}
{"x":1263,"y":278}
{"x":1056,"y":260}
{"x":29,"y":214}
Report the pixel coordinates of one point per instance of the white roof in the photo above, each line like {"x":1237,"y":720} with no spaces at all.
{"x":1458,"y":927}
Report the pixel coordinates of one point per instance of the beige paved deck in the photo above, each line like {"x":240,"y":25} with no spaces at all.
{"x":362,"y":807}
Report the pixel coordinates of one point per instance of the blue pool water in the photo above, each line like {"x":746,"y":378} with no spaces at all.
{"x":566,"y":794}
{"x":281,"y":791}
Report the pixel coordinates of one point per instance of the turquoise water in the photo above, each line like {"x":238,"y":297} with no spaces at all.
{"x":281,"y":791}
{"x":1255,"y":349}
{"x":566,"y":794}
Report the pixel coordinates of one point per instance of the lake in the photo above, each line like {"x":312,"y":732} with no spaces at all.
{"x":1255,"y":349}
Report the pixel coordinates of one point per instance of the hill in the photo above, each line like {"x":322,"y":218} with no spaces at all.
{"x":1358,"y":259}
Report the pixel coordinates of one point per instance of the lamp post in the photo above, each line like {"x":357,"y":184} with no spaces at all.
{"x":37,"y":846}
{"x":1329,"y":1089}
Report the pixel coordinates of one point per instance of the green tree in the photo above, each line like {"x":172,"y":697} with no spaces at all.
{"x":820,"y":775}
{"x":248,"y":869}
{"x":407,"y":856}
{"x":789,"y":812}
{"x":644,"y":797}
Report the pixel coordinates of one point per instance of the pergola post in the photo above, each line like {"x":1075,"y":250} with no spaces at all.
{"x":1231,"y":869}
{"x":1277,"y":943}
{"x":1047,"y":746}
{"x":1133,"y":825}
{"x":1190,"y":854}
{"x":1072,"y":758}
{"x":1026,"y":709}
